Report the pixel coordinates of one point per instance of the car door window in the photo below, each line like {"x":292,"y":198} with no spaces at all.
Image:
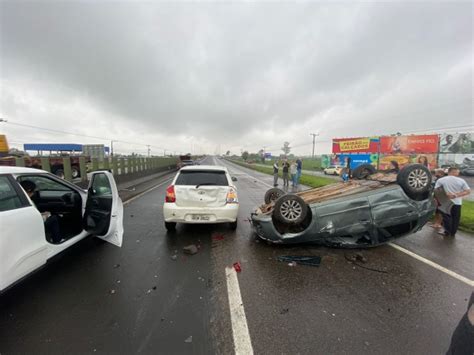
{"x":101,"y":186}
{"x":44,"y":183}
{"x":10,"y":197}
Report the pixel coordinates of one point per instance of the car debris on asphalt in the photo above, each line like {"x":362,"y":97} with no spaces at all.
{"x":237,"y":267}
{"x":190,"y":249}
{"x":189,"y":339}
{"x":309,"y":260}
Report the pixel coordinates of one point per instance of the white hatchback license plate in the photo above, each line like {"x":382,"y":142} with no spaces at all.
{"x":200,"y":217}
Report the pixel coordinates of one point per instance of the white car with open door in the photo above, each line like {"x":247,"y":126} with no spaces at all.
{"x":25,"y":243}
{"x":201,"y":194}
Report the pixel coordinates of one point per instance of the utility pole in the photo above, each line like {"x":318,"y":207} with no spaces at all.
{"x":148,"y":146}
{"x":314,"y":141}
{"x":112,"y":148}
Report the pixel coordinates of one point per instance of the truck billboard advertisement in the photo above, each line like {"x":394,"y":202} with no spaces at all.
{"x":460,"y":143}
{"x":427,"y":143}
{"x":355,"y":145}
{"x":429,"y":160}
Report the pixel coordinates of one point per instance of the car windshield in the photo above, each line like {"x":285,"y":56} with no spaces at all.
{"x":202,"y":177}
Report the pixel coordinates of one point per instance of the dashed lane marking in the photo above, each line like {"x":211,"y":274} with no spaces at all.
{"x":240,"y":330}
{"x":434,"y":265}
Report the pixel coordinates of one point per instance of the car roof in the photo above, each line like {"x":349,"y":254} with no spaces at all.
{"x":20,"y":170}
{"x":204,"y":167}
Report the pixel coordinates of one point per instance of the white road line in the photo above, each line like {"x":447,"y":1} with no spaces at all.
{"x":434,"y":265}
{"x":240,"y":330}
{"x":250,"y":176}
{"x":146,"y":191}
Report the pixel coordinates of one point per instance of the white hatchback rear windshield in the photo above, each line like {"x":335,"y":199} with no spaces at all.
{"x":202,"y":177}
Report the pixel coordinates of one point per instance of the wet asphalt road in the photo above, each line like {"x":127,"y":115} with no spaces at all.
{"x":97,"y":298}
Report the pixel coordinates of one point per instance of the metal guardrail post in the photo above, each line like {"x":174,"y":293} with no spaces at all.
{"x":45,"y":164}
{"x":115,"y":166}
{"x":67,"y":168}
{"x":122,"y":166}
{"x":20,"y":161}
{"x":83,"y":168}
{"x":95,"y":164}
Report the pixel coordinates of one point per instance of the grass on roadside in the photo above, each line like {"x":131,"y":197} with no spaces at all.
{"x":467,"y":212}
{"x":467,"y":217}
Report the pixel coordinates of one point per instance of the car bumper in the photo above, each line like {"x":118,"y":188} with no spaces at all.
{"x":179,"y":214}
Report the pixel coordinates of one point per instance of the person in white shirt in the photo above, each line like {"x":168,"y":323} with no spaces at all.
{"x":455,"y":188}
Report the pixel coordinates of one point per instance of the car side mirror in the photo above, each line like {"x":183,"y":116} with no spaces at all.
{"x":234,"y":178}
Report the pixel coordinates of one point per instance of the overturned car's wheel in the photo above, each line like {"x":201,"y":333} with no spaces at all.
{"x":415,"y":180}
{"x":273,"y":194}
{"x":363,"y":171}
{"x":290,"y":209}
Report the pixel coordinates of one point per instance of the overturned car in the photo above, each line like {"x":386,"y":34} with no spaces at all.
{"x":370,"y":209}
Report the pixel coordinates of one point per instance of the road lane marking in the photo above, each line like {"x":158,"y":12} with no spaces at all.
{"x":147,"y":191}
{"x":250,"y":176}
{"x":240,"y":330}
{"x":434,"y":265}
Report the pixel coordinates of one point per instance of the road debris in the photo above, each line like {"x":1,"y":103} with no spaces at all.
{"x":237,"y":267}
{"x":284,"y":310}
{"x":190,"y":249}
{"x":309,"y":260}
{"x":354,"y":260}
{"x":218,"y":237}
{"x":112,"y":292}
{"x":174,"y":257}
{"x":116,"y":266}
{"x":189,"y":340}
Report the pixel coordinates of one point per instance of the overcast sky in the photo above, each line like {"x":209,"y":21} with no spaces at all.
{"x":207,"y":76}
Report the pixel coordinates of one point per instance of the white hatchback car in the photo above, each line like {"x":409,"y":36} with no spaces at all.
{"x":25,"y":244}
{"x":201,"y":194}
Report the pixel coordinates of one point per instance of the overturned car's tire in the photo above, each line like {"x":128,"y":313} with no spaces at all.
{"x":290,"y":209}
{"x":273,"y":194}
{"x":363,"y":171}
{"x":415,"y":180}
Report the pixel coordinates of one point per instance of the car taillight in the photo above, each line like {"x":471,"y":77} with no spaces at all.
{"x":232,"y":196}
{"x":170,"y":195}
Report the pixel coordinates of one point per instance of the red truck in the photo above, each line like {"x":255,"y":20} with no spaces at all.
{"x":55,"y":163}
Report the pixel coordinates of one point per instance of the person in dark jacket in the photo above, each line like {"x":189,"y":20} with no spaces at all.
{"x":394,"y":167}
{"x":285,"y":169}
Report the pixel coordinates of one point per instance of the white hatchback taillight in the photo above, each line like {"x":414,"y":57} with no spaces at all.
{"x":170,"y":194}
{"x":232,"y":196}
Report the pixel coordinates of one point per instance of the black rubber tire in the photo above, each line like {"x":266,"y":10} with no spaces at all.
{"x":415,"y":180}
{"x":170,"y":226}
{"x":363,"y":171}
{"x":273,"y":194}
{"x":290,"y":209}
{"x":233,"y":225}
{"x":59,"y":173}
{"x":75,"y":172}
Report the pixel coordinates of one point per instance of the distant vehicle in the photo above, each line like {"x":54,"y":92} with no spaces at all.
{"x":24,"y":244}
{"x":55,"y":163}
{"x":185,"y":160}
{"x":201,"y":194}
{"x":333,"y":170}
{"x":372,"y":209}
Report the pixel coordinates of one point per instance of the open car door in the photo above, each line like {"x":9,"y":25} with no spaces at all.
{"x":103,"y":216}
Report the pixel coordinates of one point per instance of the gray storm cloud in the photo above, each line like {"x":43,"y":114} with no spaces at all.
{"x":238,"y":72}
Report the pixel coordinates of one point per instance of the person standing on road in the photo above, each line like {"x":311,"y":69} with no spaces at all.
{"x":299,"y":168}
{"x":455,"y":188}
{"x":285,"y":170}
{"x":275,"y":173}
{"x":293,"y":172}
